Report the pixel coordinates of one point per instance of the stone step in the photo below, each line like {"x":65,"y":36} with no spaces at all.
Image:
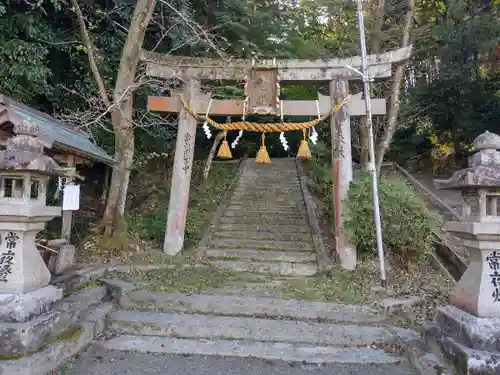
{"x":260,"y":256}
{"x":241,"y":204}
{"x":260,"y":227}
{"x":196,"y":326}
{"x":259,"y":183}
{"x":279,"y":269}
{"x":263,"y":307}
{"x":277,"y":197}
{"x":257,"y":214}
{"x":264,"y":350}
{"x":262,"y":235}
{"x":260,"y":245}
{"x":264,"y":221}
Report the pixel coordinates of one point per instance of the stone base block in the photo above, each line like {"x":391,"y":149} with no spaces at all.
{"x":51,"y":357}
{"x":469,"y":330}
{"x":21,"y":307}
{"x":22,"y":338}
{"x":465,"y":360}
{"x":64,"y":260}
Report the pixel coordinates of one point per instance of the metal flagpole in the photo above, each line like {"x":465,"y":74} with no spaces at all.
{"x":371,"y":145}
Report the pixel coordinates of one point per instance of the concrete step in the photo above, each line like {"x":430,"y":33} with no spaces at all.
{"x":263,"y":307}
{"x":262,"y":235}
{"x":264,"y":221}
{"x":195,"y":326}
{"x":260,"y":256}
{"x":260,"y":227}
{"x":264,"y":350}
{"x":279,"y":269}
{"x":260,"y":245}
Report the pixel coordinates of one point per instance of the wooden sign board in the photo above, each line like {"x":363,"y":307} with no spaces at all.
{"x":262,"y":89}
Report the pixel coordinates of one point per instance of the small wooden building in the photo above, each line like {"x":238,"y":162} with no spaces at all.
{"x":68,"y":145}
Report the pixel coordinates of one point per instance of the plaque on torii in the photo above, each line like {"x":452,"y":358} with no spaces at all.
{"x":262,"y":90}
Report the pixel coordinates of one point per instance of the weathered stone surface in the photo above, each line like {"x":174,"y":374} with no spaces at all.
{"x":30,"y":336}
{"x":281,"y":268}
{"x":259,"y":244}
{"x":263,"y":235}
{"x":52,"y":356}
{"x":241,"y":328}
{"x":265,"y":350}
{"x":98,"y":315}
{"x":251,"y":306}
{"x":260,"y":255}
{"x":425,"y":362}
{"x":469,"y":330}
{"x":464,"y":359}
{"x":393,"y":305}
{"x":117,"y":288}
{"x":255,"y":227}
{"x":64,"y":260}
{"x":23,"y":306}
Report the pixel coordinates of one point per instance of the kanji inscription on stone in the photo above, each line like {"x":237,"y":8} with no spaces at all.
{"x":11,"y":240}
{"x":494,"y":264}
{"x":6,"y":262}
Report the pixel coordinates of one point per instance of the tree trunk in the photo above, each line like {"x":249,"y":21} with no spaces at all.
{"x":211,"y":154}
{"x":122,"y":116}
{"x":392,"y":118}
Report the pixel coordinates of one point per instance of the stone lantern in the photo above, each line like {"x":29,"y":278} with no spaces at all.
{"x":478,"y":291}
{"x":24,"y":174}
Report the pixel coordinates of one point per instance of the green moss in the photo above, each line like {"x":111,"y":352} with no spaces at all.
{"x":72,"y":289}
{"x":68,"y":334}
{"x":12,"y":357}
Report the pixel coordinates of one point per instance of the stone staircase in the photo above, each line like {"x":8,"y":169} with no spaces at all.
{"x":264,"y":227}
{"x":258,"y":327}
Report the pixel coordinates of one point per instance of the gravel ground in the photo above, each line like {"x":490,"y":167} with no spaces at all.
{"x":97,"y":362}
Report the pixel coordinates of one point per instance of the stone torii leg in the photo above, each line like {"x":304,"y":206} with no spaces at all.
{"x":341,"y":170}
{"x":181,"y":174}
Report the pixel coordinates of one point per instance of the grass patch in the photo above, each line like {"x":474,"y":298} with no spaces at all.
{"x":182,"y":279}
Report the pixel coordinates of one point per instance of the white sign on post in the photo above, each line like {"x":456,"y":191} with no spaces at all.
{"x":71,"y":197}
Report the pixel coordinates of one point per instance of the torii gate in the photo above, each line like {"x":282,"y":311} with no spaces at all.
{"x":263,"y":77}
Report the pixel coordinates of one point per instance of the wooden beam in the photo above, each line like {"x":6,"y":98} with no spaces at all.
{"x":290,"y":70}
{"x":290,"y":107}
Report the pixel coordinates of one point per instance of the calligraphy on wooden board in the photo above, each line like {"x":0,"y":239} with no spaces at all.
{"x":263,"y":91}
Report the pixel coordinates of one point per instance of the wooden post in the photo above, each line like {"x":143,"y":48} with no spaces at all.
{"x":342,"y":174}
{"x":67,"y":216}
{"x":181,"y":174}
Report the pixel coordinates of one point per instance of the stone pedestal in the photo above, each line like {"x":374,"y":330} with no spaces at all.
{"x":27,"y":271}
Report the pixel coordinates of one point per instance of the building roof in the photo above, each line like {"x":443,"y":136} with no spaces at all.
{"x":54,"y":132}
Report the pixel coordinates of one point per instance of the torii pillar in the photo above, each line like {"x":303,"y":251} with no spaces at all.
{"x":181,"y":177}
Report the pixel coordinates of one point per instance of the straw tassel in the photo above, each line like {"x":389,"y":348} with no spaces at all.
{"x":262,"y":155}
{"x":224,"y":150}
{"x":304,"y":153}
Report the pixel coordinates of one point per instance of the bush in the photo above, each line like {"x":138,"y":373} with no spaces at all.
{"x":407,"y":225}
